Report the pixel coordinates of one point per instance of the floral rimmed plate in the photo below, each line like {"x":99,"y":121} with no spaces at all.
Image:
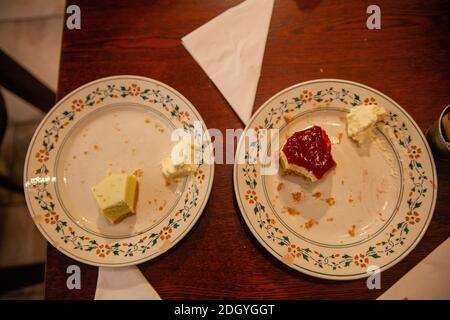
{"x":371,"y":210}
{"x":120,"y":124}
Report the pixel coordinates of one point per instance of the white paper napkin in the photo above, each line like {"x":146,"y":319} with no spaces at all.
{"x":126,"y":283}
{"x":230,"y":49}
{"x":430,"y":279}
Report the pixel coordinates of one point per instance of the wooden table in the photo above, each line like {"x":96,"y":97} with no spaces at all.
{"x":408,"y":59}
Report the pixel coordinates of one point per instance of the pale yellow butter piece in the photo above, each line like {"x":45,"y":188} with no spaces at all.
{"x":116,"y":196}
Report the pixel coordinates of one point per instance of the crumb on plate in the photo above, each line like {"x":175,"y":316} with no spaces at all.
{"x":287,"y":118}
{"x":138,"y":173}
{"x":296,"y":196}
{"x":292,"y":211}
{"x":310,"y":223}
{"x":352,"y":231}
{"x":317,"y":194}
{"x":330,"y":201}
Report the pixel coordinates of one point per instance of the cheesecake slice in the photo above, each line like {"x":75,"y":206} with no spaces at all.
{"x":116,"y":196}
{"x":308,"y":153}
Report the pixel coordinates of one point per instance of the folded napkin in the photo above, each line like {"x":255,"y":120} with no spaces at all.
{"x":126,"y":283}
{"x":230,"y":49}
{"x":430,"y":279}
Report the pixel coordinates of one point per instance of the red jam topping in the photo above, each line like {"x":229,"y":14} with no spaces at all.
{"x":311,"y":149}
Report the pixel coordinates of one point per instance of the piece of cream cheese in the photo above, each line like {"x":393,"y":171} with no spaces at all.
{"x":362,"y":119}
{"x":180,"y":162}
{"x":116,"y":196}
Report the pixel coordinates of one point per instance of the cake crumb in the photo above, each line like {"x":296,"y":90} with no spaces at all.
{"x":296,"y":196}
{"x":161,"y":207}
{"x":138,"y":173}
{"x":310,"y":223}
{"x":317,"y":194}
{"x":352,"y":231}
{"x":340,"y":135}
{"x":330,"y":219}
{"x":280,"y":186}
{"x":147,"y":120}
{"x":293,"y":212}
{"x":96,"y":147}
{"x":74,"y":157}
{"x":331,"y":201}
{"x":287,"y":118}
{"x":85,"y":153}
{"x":321,"y":70}
{"x":123,"y":171}
{"x":167,"y":184}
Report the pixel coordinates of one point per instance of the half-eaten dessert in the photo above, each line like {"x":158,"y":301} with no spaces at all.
{"x":308,"y":153}
{"x":116,"y":196}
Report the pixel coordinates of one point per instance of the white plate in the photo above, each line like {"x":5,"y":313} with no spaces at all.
{"x":122,"y":124}
{"x":371,"y":210}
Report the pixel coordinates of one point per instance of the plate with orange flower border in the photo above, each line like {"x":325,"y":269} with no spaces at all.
{"x":366,"y":214}
{"x":120,"y":124}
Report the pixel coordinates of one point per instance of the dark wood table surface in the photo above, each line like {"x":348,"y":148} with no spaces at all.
{"x":408,"y":59}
